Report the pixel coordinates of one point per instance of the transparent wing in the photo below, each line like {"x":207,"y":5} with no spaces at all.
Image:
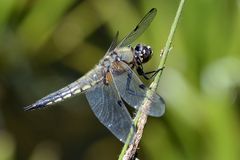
{"x":114,"y":43}
{"x":133,"y":91}
{"x":139,"y":29}
{"x":110,"y":109}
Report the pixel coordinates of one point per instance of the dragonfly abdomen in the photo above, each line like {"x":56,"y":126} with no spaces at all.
{"x":79,"y":86}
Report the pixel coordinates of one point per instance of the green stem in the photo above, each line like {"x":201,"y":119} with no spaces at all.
{"x":168,"y":44}
{"x":155,"y":83}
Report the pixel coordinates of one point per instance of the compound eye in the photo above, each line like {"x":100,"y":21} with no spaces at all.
{"x":138,"y":48}
{"x":147,"y":53}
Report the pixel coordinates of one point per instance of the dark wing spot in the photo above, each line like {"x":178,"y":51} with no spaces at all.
{"x":136,"y":28}
{"x":119,"y":103}
{"x":151,"y":10}
{"x":129,"y":76}
{"x":142,"y":86}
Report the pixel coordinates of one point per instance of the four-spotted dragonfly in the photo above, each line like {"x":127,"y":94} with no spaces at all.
{"x":112,"y":81}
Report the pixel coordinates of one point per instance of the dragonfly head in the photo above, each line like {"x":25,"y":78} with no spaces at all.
{"x":143,"y":53}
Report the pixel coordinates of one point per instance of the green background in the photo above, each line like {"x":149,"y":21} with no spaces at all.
{"x":45,"y":45}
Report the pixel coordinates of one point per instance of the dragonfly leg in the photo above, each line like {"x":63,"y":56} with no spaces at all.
{"x":151,"y":74}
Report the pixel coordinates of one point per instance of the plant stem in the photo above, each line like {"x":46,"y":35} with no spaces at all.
{"x":141,"y":117}
{"x":168,"y":44}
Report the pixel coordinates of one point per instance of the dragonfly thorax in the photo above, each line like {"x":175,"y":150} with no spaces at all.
{"x":143,"y":53}
{"x":125,"y":54}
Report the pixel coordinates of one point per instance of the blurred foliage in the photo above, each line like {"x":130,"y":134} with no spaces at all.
{"x":45,"y":45}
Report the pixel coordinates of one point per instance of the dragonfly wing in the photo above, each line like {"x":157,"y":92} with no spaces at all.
{"x":139,"y":29}
{"x":114,"y":43}
{"x":133,"y":91}
{"x":110,"y":109}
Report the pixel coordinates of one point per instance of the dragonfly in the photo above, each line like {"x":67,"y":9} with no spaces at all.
{"x":113,"y":81}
